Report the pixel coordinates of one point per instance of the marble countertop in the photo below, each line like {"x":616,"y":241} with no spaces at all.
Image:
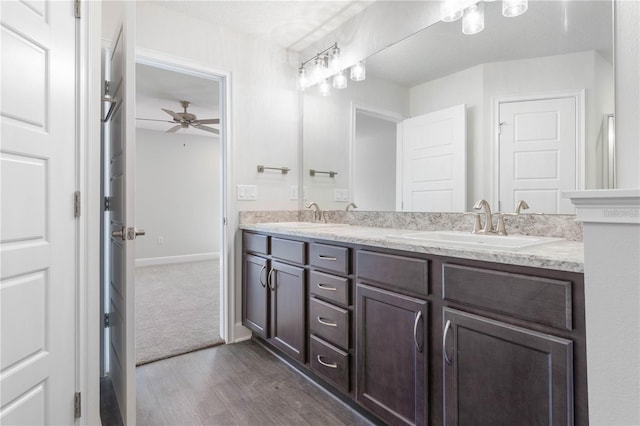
{"x":560,"y":255}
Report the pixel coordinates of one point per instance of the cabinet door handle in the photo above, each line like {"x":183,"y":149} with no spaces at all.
{"x":326,"y":287}
{"x":325,"y":363}
{"x":325,"y":322}
{"x":264,"y":285}
{"x":444,"y":342}
{"x":415,"y":331}
{"x":323,"y":257}
{"x":270,"y":280}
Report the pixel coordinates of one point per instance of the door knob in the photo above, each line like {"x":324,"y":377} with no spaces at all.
{"x":122,"y":233}
{"x":140,"y":232}
{"x":128,"y":233}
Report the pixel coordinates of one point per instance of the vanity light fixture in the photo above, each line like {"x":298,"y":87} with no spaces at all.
{"x":303,"y":81}
{"x":323,"y":88}
{"x":320,"y":66}
{"x":358,"y":71}
{"x":513,"y":8}
{"x":473,"y":19}
{"x":450,"y":10}
{"x":334,"y":58}
{"x":340,"y":80}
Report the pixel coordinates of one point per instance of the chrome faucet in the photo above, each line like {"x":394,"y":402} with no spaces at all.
{"x":350,"y":205}
{"x":488,"y":223}
{"x":317,"y":213}
{"x":521,"y":205}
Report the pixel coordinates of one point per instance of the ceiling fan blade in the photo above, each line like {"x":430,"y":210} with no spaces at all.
{"x":207,"y":121}
{"x":206,"y":129}
{"x":174,"y":129}
{"x":173,"y":114}
{"x":155,"y":119}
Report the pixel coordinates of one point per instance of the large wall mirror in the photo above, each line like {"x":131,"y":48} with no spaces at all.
{"x":520,"y":110}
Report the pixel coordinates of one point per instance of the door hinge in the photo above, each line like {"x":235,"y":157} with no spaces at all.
{"x":107,"y":204}
{"x":76,"y":204}
{"x":76,"y":9}
{"x":107,"y":320}
{"x":77,"y":405}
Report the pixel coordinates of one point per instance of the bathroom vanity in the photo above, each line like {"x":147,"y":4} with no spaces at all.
{"x":423,"y":333}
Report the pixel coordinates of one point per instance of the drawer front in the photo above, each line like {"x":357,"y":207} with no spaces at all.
{"x":329,"y":322}
{"x":330,"y":362}
{"x":542,"y":300}
{"x":328,"y":257}
{"x":255,"y":243}
{"x":293,"y":251}
{"x":329,"y":287}
{"x":397,"y":272}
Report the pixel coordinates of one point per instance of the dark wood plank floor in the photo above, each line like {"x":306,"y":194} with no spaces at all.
{"x":237,"y":384}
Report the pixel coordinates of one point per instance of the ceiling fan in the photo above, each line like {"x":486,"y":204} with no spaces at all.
{"x":183,"y":120}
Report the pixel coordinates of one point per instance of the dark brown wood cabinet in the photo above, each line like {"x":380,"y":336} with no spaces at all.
{"x":500,"y":374}
{"x":288,"y":293}
{"x":255,"y":294}
{"x":391,"y":355}
{"x":420,"y":339}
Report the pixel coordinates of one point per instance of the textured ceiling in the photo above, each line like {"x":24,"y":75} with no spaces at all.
{"x":290,"y":24}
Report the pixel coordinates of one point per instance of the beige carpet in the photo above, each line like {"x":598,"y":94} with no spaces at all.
{"x":177,"y":309}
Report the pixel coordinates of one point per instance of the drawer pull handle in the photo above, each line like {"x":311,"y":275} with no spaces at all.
{"x":326,"y":287}
{"x":264,"y":285}
{"x":325,"y":322}
{"x":270,"y":280}
{"x":415,"y":331}
{"x":444,"y":342}
{"x":326,"y":364}
{"x":323,"y":257}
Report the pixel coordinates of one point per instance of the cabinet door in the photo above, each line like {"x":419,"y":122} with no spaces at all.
{"x":288,"y":313}
{"x":499,"y":374}
{"x":255,"y":294}
{"x":391,"y":352}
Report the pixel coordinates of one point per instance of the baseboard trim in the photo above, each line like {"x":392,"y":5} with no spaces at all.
{"x":241,"y":333}
{"x":149,"y":261}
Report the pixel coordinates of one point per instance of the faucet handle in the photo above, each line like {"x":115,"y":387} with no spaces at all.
{"x":501,"y":228}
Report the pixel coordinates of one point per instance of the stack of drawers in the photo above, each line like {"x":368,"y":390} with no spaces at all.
{"x":330,"y":308}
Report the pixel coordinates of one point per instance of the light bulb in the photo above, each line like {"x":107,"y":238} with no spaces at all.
{"x":323,"y":88}
{"x":513,"y":8}
{"x":339,"y":80}
{"x":303,"y":81}
{"x":320,"y":66}
{"x":473,"y":19}
{"x":334,"y":59}
{"x":358,"y":71}
{"x":450,"y":10}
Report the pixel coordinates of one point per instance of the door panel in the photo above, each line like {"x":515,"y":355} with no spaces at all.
{"x":288,"y":313}
{"x":120,"y":70}
{"x":435,"y":161}
{"x":497,"y":373}
{"x":37,"y":230}
{"x":537,"y":151}
{"x":255,"y":300}
{"x":391,"y":353}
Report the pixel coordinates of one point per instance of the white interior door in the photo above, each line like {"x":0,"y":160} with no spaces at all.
{"x":537,"y":154}
{"x":435,"y":161}
{"x":121,"y":184}
{"x":37,"y":231}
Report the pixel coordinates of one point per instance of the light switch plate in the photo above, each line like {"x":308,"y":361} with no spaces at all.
{"x":247,"y":192}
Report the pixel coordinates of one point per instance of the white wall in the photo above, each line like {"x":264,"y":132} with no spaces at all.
{"x":627,"y":71}
{"x":264,"y":99}
{"x":177,"y":194}
{"x":327,"y":133}
{"x":374,"y":174}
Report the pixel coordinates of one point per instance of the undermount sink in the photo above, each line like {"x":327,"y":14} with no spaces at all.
{"x":301,"y":225}
{"x":468,"y":239}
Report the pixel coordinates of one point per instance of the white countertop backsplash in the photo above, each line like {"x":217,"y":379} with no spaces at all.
{"x":372,"y":229}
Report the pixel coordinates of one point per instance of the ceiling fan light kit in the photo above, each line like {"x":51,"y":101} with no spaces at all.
{"x":185,"y":119}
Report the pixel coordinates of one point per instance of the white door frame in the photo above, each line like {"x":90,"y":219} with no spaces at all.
{"x":578,"y":95}
{"x":172,"y":63}
{"x":382,"y":114}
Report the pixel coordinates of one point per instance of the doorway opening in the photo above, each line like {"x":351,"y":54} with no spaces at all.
{"x":178,"y":200}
